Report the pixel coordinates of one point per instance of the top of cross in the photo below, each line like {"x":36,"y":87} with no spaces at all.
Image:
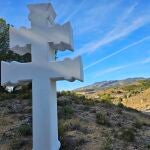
{"x":43,"y":31}
{"x":41,"y":15}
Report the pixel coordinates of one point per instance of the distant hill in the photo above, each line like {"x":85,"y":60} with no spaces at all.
{"x":108,"y":84}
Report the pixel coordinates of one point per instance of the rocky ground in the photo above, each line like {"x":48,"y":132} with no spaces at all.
{"x":83,"y":125}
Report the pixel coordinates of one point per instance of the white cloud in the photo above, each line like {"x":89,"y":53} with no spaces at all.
{"x":117,"y":68}
{"x":75,"y":11}
{"x":125,"y":25}
{"x":115,"y":53}
{"x":109,"y":70}
{"x":95,"y":17}
{"x":119,"y":32}
{"x":147,"y":60}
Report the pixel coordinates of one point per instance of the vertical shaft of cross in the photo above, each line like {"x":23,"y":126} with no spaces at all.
{"x":45,"y":131}
{"x":45,"y":122}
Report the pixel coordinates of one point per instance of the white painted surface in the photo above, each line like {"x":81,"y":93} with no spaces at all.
{"x":42,"y":40}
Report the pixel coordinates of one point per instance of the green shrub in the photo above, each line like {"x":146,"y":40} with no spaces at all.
{"x":128,"y":134}
{"x":125,"y":96}
{"x":148,"y":146}
{"x":107,"y":144}
{"x":86,"y":108}
{"x":24,"y":95}
{"x":137,"y":124}
{"x":16,"y":144}
{"x":120,"y":105}
{"x":120,"y":99}
{"x":76,"y":98}
{"x":25,"y":130}
{"x":68,"y":125}
{"x":106,"y":98}
{"x":67,"y":111}
{"x":119,"y":111}
{"x":5,"y":96}
{"x":101,"y":119}
{"x":62,"y":128}
{"x":88,"y":102}
{"x":145,"y":83}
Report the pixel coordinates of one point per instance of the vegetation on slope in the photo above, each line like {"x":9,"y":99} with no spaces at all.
{"x":84,"y":124}
{"x":135,"y":95}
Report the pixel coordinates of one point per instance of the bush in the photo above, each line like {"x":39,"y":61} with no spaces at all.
{"x":76,"y":98}
{"x":106,"y":98}
{"x":145,"y":83}
{"x":86,"y":108}
{"x":68,"y":125}
{"x":120,"y":105}
{"x":25,"y":95}
{"x":107,"y":144}
{"x":137,"y":124}
{"x":67,"y":111}
{"x":5,"y":96}
{"x":62,"y":128}
{"x":101,"y":119}
{"x":25,"y":130}
{"x":148,"y":146}
{"x":16,"y":144}
{"x":128,"y":134}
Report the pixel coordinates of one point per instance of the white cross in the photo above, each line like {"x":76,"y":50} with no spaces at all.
{"x":42,"y":40}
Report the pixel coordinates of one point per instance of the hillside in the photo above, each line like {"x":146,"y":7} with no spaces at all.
{"x":133,"y":92}
{"x":108,"y":84}
{"x":140,"y":101}
{"x":84,"y":124}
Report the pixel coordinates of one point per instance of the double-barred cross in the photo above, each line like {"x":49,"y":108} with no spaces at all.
{"x":42,"y":40}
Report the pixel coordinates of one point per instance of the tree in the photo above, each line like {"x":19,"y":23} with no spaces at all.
{"x":5,"y":53}
{"x":4,"y":35}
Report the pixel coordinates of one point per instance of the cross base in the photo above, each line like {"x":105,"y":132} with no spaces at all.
{"x":56,"y":147}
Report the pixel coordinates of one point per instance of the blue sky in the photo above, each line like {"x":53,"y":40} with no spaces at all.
{"x":112,"y":36}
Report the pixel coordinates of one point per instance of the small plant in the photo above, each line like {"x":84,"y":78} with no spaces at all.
{"x":25,"y":95}
{"x":16,"y":144}
{"x":120,"y":105}
{"x":101,"y":119}
{"x":119,"y":111}
{"x":86,"y":108}
{"x":67,"y":111}
{"x":148,"y":146}
{"x":62,"y":128}
{"x":64,"y":102}
{"x":125,"y":96}
{"x":120,"y":99}
{"x":106,"y":98}
{"x":5,"y":96}
{"x":71,"y":143}
{"x":25,"y":130}
{"x":107,"y":144}
{"x":88,"y":102}
{"x":128,"y":134}
{"x":138,"y":124}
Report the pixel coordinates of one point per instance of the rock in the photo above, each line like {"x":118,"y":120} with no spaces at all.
{"x":27,"y":120}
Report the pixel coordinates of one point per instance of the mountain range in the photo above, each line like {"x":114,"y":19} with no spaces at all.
{"x":111,"y":83}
